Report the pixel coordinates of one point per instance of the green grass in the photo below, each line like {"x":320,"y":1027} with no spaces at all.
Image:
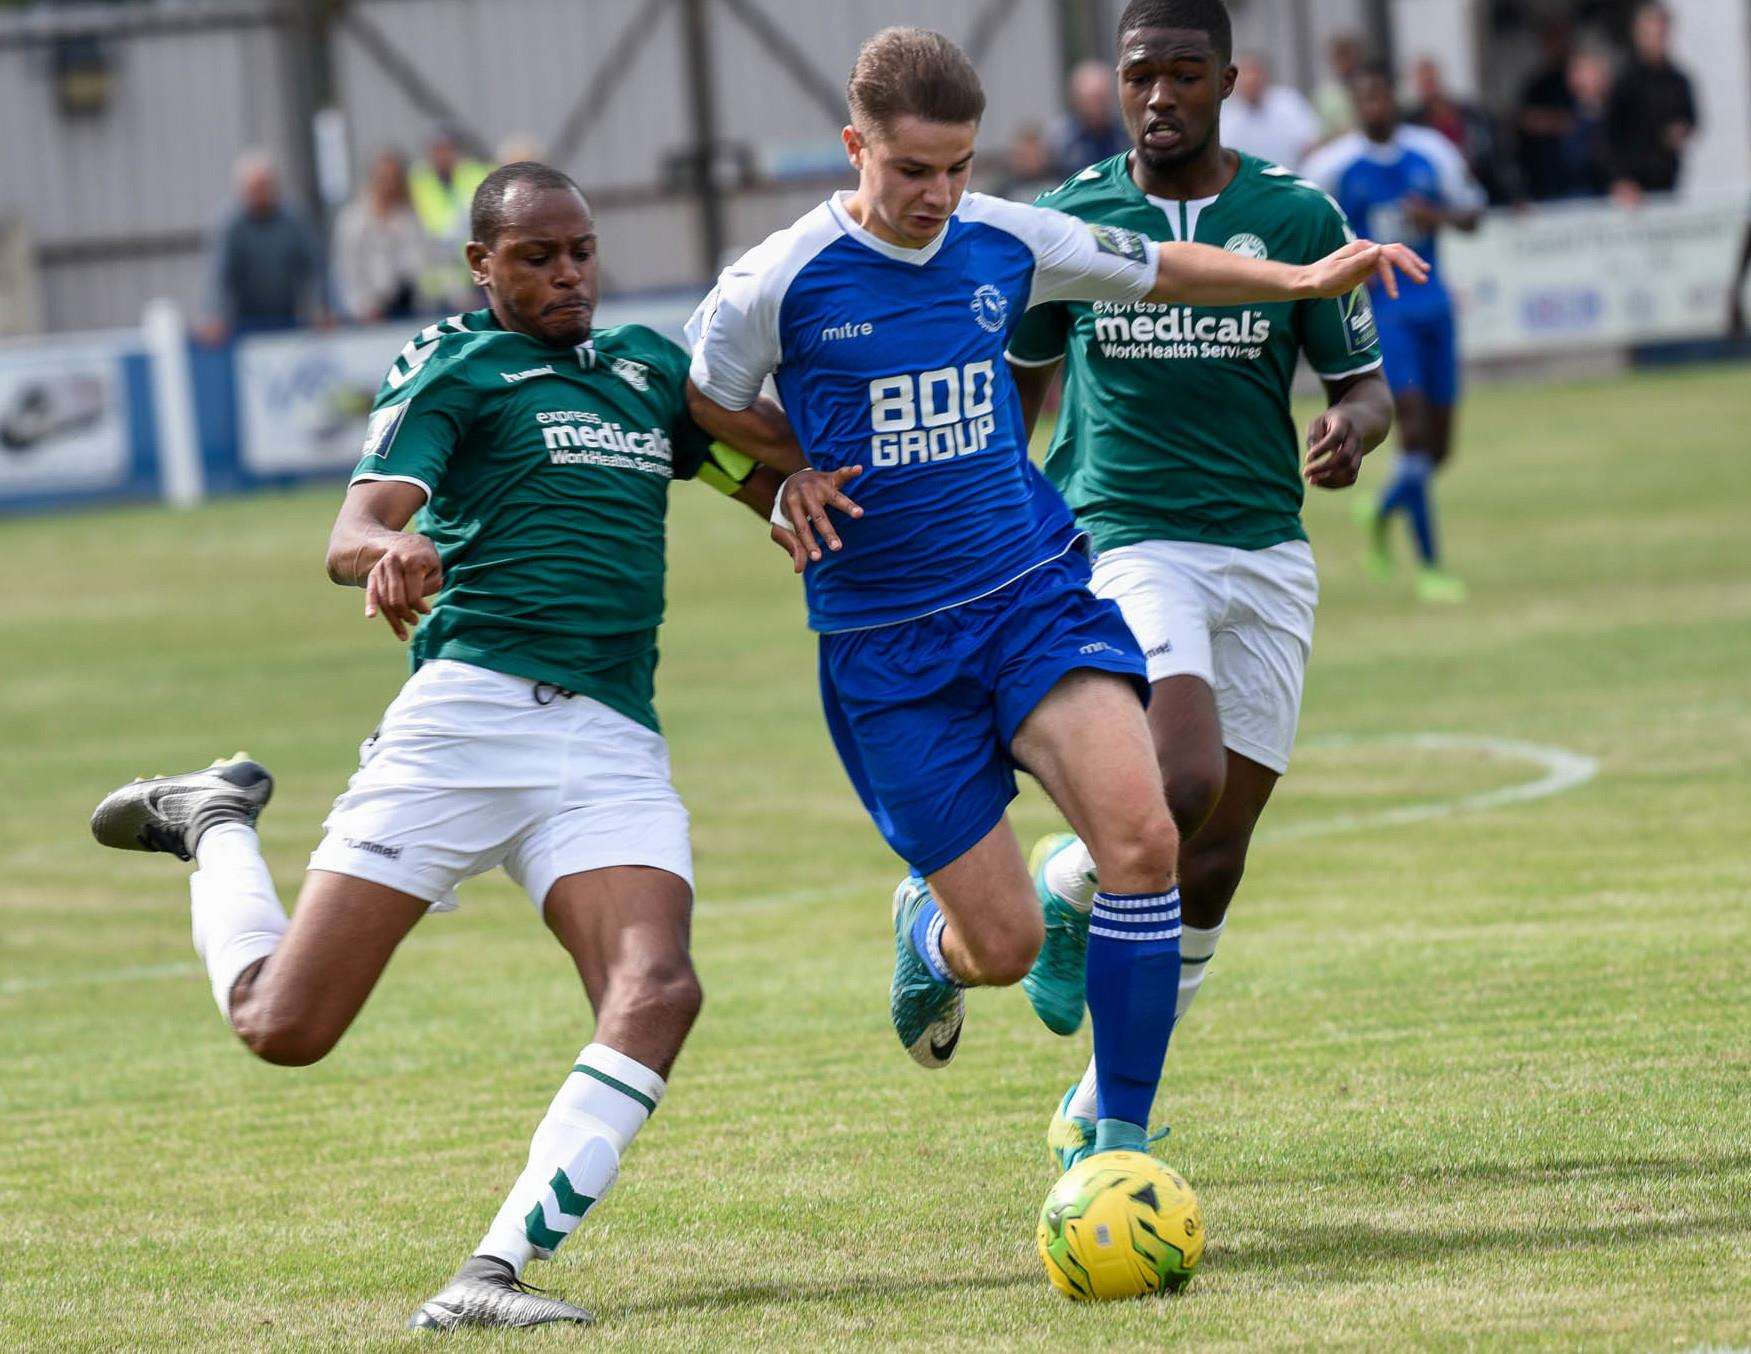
{"x":1479,"y":1081}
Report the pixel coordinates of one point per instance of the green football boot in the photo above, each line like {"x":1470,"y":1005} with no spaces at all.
{"x":1440,"y":588}
{"x":927,"y":1014}
{"x":1068,"y":1137}
{"x":1056,"y":983}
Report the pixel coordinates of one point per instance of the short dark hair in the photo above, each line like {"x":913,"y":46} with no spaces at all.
{"x":487,"y":213}
{"x":1204,"y":16}
{"x":902,"y":72}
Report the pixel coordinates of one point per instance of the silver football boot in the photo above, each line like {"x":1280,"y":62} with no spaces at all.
{"x":486,"y":1293}
{"x":169,"y":813}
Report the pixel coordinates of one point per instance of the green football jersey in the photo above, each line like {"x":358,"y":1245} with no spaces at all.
{"x":1175,"y":422}
{"x":546,"y":473}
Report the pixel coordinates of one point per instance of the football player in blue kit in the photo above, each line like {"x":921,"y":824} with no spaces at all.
{"x":959,"y":639}
{"x":1398,"y":182}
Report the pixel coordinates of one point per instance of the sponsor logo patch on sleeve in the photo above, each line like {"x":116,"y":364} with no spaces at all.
{"x":380,"y":431}
{"x":1359,"y":331}
{"x":1127,"y":244}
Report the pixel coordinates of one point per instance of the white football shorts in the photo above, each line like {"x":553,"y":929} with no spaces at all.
{"x":472,"y":768}
{"x":1240,"y":619}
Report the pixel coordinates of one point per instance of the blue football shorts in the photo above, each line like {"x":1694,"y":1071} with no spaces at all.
{"x":923,"y":712}
{"x":1419,"y":350}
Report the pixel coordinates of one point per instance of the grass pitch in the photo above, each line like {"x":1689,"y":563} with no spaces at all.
{"x":1463,"y":1076}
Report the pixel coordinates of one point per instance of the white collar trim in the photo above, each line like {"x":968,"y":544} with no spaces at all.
{"x":899,"y":253}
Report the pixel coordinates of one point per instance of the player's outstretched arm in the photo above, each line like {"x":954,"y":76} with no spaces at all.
{"x":1202,"y":275}
{"x":367,"y":548}
{"x":761,"y":430}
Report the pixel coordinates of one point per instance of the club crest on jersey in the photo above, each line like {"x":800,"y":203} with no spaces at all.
{"x":635,"y":374}
{"x":990,"y":308}
{"x":1127,"y":244}
{"x":1247,"y":245}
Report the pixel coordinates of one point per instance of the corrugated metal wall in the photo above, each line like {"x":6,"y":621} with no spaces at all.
{"x":118,"y":201}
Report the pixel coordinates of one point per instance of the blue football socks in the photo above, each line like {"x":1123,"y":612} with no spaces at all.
{"x":1133,"y":987}
{"x":1410,"y":492}
{"x":927,"y":928}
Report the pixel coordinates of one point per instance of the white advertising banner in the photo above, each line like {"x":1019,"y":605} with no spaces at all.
{"x":303,"y":396}
{"x":63,"y":418}
{"x":1594,"y":275}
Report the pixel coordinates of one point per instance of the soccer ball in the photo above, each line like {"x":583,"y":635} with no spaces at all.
{"x":1120,"y":1225}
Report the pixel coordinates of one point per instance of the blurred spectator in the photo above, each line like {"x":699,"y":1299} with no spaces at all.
{"x":1546,"y":115}
{"x":380,"y":250}
{"x":1268,"y":120}
{"x":1028,"y":167}
{"x":1583,"y":159}
{"x":266,"y":269}
{"x":1090,"y":129}
{"x":1468,"y":127}
{"x":442,"y":189}
{"x":1652,"y":113}
{"x":1344,"y":56}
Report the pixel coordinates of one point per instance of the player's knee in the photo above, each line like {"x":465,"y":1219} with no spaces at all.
{"x":1143,"y":853}
{"x":1192,"y":792}
{"x":663,"y":990}
{"x":282,"y":1042}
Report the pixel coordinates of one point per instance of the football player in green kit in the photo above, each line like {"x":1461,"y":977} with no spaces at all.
{"x":1176,"y":450}
{"x":538,"y":454}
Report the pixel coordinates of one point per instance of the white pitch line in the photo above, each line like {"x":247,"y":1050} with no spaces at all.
{"x":134,"y":973}
{"x":1563,"y":770}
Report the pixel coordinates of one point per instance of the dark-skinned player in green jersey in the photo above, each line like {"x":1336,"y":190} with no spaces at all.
{"x":538,"y":453}
{"x":1176,"y":450}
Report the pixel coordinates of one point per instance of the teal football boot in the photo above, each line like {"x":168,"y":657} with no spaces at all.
{"x":927,"y":1014}
{"x":1056,"y":983}
{"x":1069,"y":1138}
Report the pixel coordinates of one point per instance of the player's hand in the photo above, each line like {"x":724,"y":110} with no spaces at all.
{"x":400,"y":582}
{"x":1334,"y":451}
{"x":804,"y":499}
{"x":1342,"y":271}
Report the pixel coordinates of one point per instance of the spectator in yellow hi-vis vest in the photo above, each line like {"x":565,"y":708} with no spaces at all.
{"x":441,"y":188}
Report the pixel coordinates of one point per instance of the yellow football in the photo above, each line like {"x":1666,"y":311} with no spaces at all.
{"x":1120,"y":1225}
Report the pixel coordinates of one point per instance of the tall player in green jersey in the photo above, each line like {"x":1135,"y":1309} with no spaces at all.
{"x":538,"y":455}
{"x":1176,"y":450}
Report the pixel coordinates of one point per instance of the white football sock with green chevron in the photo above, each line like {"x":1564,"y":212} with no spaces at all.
{"x":575,"y":1155}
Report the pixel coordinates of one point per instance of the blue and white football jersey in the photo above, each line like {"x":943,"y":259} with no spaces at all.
{"x":1372,"y":179}
{"x":892,"y":359}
